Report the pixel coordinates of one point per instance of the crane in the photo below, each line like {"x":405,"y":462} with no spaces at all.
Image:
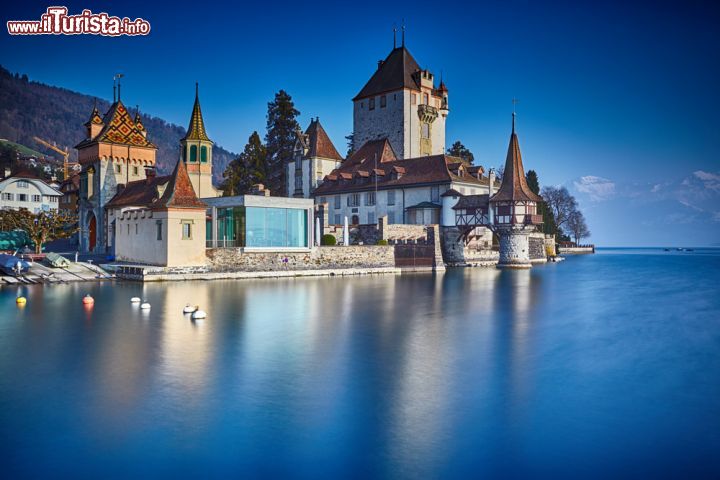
{"x":65,"y":154}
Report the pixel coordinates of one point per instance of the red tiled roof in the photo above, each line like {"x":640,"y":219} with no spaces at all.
{"x":380,"y":149}
{"x":179,"y":192}
{"x":396,"y":71}
{"x":140,"y":193}
{"x":514,"y":186}
{"x":119,"y":128}
{"x":320,"y":144}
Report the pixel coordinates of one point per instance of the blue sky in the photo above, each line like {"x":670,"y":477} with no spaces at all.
{"x":618,"y":102}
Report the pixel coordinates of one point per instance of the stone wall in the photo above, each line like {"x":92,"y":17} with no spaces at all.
{"x":478,"y":252}
{"x":364,"y":256}
{"x":536,"y":244}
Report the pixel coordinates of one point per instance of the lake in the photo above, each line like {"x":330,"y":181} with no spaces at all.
{"x":604,"y":365}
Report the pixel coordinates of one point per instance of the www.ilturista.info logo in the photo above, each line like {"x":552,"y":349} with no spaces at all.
{"x":56,"y":21}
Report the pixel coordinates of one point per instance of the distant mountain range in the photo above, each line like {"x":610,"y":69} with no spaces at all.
{"x":56,"y":114}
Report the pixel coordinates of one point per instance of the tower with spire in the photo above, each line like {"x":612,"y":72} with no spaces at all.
{"x":196,"y":150}
{"x":513,"y":209}
{"x":402,"y":103}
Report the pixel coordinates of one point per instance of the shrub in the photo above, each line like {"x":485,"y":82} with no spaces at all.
{"x":382,"y":241}
{"x":328,"y":239}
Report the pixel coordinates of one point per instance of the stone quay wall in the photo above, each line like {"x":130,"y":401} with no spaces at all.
{"x":456,"y":253}
{"x":536,"y":245}
{"x":339,"y":257}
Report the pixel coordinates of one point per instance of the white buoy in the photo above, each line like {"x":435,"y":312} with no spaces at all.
{"x":189,"y":309}
{"x":198,"y":314}
{"x":135,"y":300}
{"x":145,"y":306}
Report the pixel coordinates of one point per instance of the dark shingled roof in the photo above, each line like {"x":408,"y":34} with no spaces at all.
{"x":514,"y":186}
{"x":319,"y":143}
{"x":472,"y":201}
{"x":140,"y":193}
{"x":179,"y":193}
{"x":451,"y":193}
{"x":396,"y":72}
{"x":411,"y":171}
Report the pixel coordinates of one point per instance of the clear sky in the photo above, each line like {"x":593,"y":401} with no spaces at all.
{"x":618,"y":102}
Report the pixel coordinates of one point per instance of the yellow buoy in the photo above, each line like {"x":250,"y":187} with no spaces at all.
{"x":21,"y":300}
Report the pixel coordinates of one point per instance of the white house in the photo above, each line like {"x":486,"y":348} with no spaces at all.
{"x":24,"y":190}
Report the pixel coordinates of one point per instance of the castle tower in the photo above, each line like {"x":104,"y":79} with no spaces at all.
{"x":314,"y":157}
{"x":401,"y":103}
{"x":196,"y":153}
{"x":513,"y":210}
{"x":114,"y":152}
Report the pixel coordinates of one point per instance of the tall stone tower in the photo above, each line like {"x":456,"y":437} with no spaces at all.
{"x":196,"y":152}
{"x":513,"y":210}
{"x":401,"y":103}
{"x":115,"y":151}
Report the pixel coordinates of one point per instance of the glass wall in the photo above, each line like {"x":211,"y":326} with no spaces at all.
{"x":260,"y":227}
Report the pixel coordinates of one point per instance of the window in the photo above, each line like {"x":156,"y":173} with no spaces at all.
{"x":337,"y":202}
{"x":337,"y":219}
{"x":23,"y":184}
{"x":203,"y":154}
{"x":158,"y":226}
{"x":370,"y":199}
{"x":186,"y":228}
{"x":425,"y":99}
{"x":136,"y":229}
{"x":371,"y":217}
{"x":413,"y":99}
{"x":135,"y":170}
{"x":118,"y":168}
{"x":434,"y":194}
{"x":22,"y":197}
{"x":371,"y":104}
{"x":391,"y":217}
{"x":383,"y":101}
{"x":128,"y":229}
{"x":36,"y":198}
{"x":425,"y":131}
{"x":298,"y":182}
{"x":8,"y":196}
{"x":353,"y":200}
{"x":55,"y":200}
{"x":193,"y":153}
{"x":391,"y":197}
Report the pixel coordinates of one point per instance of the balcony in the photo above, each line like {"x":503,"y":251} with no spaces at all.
{"x":533,"y":219}
{"x":427,"y":113}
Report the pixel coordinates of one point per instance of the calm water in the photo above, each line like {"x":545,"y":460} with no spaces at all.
{"x":604,"y":365}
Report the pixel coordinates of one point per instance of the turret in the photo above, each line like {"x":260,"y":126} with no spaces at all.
{"x":196,"y":152}
{"x":95,"y":124}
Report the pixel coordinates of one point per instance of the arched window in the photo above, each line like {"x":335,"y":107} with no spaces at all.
{"x":193,"y":153}
{"x":203,"y":154}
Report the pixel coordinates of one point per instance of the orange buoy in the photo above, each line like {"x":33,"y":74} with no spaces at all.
{"x":88,"y":300}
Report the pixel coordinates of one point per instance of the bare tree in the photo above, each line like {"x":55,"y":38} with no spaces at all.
{"x":561,"y":202}
{"x":576,"y":224}
{"x":40,"y":227}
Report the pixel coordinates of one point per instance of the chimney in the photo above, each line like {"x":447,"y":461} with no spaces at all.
{"x":120,"y":188}
{"x":150,"y":171}
{"x":380,"y":63}
{"x":491,"y":183}
{"x":259,"y":189}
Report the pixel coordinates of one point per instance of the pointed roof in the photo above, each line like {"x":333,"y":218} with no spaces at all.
{"x":514,"y":185}
{"x":179,"y":192}
{"x":369,"y":150}
{"x":119,"y":128}
{"x":94,"y":116}
{"x":397,"y":71}
{"x":138,"y":120}
{"x":196,"y":129}
{"x":319,"y":143}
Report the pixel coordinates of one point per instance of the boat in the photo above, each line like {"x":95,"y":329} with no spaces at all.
{"x":145,"y":306}
{"x":198,"y":315}
{"x":135,"y":300}
{"x":189,"y":309}
{"x":9,"y":264}
{"x":56,"y":260}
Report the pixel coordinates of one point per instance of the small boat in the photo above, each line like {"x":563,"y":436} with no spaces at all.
{"x":12,"y":264}
{"x":189,"y":309}
{"x":57,"y":260}
{"x":145,"y":306}
{"x":198,"y":315}
{"x":135,"y":300}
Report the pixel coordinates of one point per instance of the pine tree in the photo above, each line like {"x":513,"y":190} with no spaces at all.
{"x":548,"y":226}
{"x":459,"y":150}
{"x":246,"y":170}
{"x":280,"y":140}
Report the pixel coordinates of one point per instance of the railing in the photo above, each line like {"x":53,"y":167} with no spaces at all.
{"x":533,"y":219}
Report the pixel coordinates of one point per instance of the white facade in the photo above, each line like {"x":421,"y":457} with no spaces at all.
{"x":29,"y":193}
{"x":305,"y":174}
{"x":413,"y":121}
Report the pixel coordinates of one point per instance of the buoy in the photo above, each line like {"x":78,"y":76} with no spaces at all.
{"x":189,"y":309}
{"x":145,"y":306}
{"x":198,"y":314}
{"x":88,"y":300}
{"x":21,"y":300}
{"x":135,"y":300}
